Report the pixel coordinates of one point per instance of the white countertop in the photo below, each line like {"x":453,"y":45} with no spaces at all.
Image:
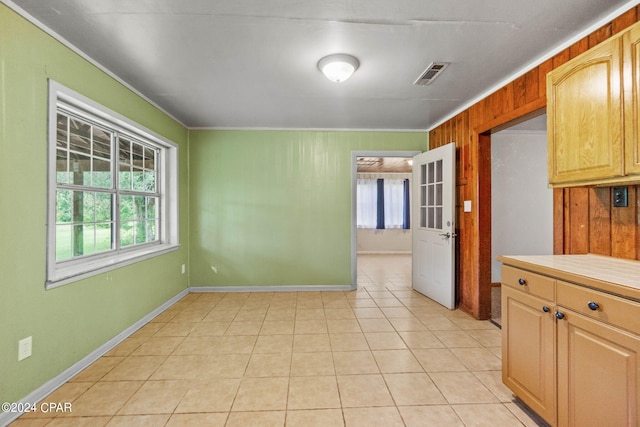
{"x":617,"y":275}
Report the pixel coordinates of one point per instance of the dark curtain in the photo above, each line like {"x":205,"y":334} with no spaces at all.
{"x":380,"y":213}
{"x":406,"y":221}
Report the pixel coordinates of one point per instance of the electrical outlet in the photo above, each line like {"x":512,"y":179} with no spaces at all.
{"x":24,"y":348}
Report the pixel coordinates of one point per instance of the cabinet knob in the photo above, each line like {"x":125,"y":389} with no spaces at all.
{"x":546,"y":309}
{"x":559,"y":315}
{"x":593,"y":305}
{"x":522,"y":282}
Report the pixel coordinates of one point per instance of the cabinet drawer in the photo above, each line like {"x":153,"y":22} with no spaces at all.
{"x":608,"y":308}
{"x":528,"y":282}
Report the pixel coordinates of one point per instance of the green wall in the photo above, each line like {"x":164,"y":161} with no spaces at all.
{"x":273,"y":208}
{"x":68,"y":322}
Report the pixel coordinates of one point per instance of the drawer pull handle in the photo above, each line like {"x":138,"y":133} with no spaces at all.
{"x":593,"y":305}
{"x":522,"y":282}
{"x":559,"y":315}
{"x":546,"y":309}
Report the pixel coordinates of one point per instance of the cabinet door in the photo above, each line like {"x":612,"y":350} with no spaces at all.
{"x":631,"y":42}
{"x":528,"y":346}
{"x":598,"y":373}
{"x":584,"y":117}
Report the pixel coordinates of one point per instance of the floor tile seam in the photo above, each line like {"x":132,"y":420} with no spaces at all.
{"x":63,"y":415}
{"x":459,"y":405}
{"x":184,"y":394}
{"x":487,"y":386}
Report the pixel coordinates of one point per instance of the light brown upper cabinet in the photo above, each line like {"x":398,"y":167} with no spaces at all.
{"x":584,"y":117}
{"x":631,"y":43}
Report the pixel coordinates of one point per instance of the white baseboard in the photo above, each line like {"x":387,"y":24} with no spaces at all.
{"x":384,"y":252}
{"x":52,"y":385}
{"x":269,"y":288}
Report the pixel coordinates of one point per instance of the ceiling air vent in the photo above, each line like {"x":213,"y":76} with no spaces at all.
{"x":431,"y":73}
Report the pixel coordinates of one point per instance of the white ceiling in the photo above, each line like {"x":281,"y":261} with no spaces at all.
{"x":252,"y":63}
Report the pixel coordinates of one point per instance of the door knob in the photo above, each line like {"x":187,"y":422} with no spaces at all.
{"x":448,"y":235}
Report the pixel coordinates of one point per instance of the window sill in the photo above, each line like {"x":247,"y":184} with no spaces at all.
{"x":65,"y":274}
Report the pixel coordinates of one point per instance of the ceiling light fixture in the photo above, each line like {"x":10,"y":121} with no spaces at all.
{"x":338,"y":67}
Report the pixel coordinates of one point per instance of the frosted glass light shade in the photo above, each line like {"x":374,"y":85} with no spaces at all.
{"x":338,"y":67}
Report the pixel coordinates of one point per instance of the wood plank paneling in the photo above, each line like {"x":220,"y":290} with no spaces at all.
{"x":584,"y":220}
{"x":600,"y":221}
{"x":623,"y":228}
{"x":579,"y":220}
{"x":600,"y":35}
{"x":558,"y":221}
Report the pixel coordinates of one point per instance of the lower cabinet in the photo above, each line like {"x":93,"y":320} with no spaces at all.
{"x":528,"y":351}
{"x":574,"y":360}
{"x":598,"y":373}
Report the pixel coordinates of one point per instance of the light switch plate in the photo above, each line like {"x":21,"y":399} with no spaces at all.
{"x":467,"y":205}
{"x":620,"y":197}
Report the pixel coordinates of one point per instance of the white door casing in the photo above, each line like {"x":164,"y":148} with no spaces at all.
{"x":433,"y":224}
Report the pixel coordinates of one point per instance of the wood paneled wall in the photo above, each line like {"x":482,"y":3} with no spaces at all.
{"x":584,"y":219}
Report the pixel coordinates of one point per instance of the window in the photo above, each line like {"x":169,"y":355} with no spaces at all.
{"x":112,"y":190}
{"x":383,"y":203}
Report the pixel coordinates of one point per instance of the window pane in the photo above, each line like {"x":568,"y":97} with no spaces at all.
{"x":124,"y":151}
{"x":62,"y":167}
{"x":138,"y":179}
{"x":141,"y":232}
{"x":80,"y":137}
{"x":63,"y":242}
{"x":101,"y":173}
{"x":127,"y":209}
{"x":83,"y":223}
{"x":103,"y":237}
{"x":151,"y":207}
{"x":439,"y":171}
{"x":439,"y":194}
{"x":137,"y":152}
{"x":81,"y":169}
{"x":104,"y":207}
{"x":149,"y":158}
{"x":150,"y":182}
{"x":101,"y":144}
{"x":88,"y":207}
{"x":88,"y":238}
{"x":125,"y":177}
{"x":151,"y":231}
{"x":63,"y":206}
{"x":62,"y":131}
{"x":126,"y":233}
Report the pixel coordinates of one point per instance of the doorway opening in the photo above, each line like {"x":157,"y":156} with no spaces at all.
{"x":521,"y":202}
{"x":394,"y":166}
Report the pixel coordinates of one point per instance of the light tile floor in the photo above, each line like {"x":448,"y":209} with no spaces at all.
{"x":383,"y":355}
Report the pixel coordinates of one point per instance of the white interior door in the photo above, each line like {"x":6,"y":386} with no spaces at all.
{"x":433,"y":222}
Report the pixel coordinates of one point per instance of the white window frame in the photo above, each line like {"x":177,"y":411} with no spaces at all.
{"x":66,"y":271}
